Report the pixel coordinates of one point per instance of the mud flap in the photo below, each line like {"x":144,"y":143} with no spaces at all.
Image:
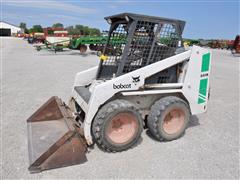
{"x":54,"y":140}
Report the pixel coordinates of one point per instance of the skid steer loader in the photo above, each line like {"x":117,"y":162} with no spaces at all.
{"x":154,"y":83}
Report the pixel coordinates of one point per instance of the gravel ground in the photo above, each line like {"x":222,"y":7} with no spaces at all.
{"x":209,"y":148}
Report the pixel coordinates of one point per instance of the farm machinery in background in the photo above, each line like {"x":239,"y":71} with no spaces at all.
{"x":95,"y":43}
{"x":212,"y":43}
{"x":36,"y":37}
{"x":49,"y":34}
{"x":221,"y":44}
{"x":233,"y":45}
{"x":56,"y":35}
{"x":218,"y":44}
{"x":191,"y":42}
{"x":236,"y":45}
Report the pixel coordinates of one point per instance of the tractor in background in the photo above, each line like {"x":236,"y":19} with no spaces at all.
{"x":236,"y":45}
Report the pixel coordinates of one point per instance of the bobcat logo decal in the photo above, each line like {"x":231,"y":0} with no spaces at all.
{"x":136,"y":79}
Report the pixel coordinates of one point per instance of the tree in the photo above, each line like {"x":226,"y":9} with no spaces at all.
{"x":57,"y":25}
{"x":95,"y":31}
{"x":86,"y":30}
{"x":82,"y":30}
{"x":79,"y":29}
{"x":23,"y":25}
{"x":36,"y":28}
{"x":70,"y":30}
{"x":48,"y":30}
{"x":26,"y":31}
{"x":78,"y":26}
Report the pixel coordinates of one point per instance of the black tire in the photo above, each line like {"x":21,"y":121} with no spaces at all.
{"x":160,"y":114}
{"x":103,"y":120}
{"x":82,"y":48}
{"x":38,"y":48}
{"x":92,"y":47}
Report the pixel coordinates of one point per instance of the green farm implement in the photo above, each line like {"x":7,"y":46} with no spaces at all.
{"x":57,"y":46}
{"x":95,"y":43}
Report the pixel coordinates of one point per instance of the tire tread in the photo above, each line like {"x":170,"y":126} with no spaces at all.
{"x":103,"y":113}
{"x":156,"y":110}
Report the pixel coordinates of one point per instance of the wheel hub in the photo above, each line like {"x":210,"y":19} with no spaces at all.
{"x":174,"y":121}
{"x":122,"y":128}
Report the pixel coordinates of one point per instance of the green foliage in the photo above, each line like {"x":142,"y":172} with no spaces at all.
{"x":23,"y":25}
{"x":36,"y":28}
{"x":192,"y":41}
{"x":82,"y":30}
{"x":26,"y":31}
{"x":50,"y":31}
{"x":95,"y":31}
{"x":57,"y":25}
{"x":165,"y":40}
{"x":72,"y":30}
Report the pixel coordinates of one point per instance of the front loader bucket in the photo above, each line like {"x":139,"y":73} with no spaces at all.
{"x":54,"y":140}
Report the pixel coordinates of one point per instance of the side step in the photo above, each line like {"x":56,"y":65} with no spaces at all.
{"x":54,"y":140}
{"x":83,"y":92}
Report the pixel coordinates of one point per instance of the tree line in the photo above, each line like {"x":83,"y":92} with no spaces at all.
{"x":72,"y":30}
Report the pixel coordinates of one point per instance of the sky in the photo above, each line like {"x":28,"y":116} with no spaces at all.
{"x":212,"y":19}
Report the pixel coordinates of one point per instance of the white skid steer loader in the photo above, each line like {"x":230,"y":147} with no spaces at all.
{"x":145,"y":79}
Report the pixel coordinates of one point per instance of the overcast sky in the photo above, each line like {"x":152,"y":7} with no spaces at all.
{"x":204,"y":19}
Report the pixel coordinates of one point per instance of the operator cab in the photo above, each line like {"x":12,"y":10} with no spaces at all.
{"x":135,"y":41}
